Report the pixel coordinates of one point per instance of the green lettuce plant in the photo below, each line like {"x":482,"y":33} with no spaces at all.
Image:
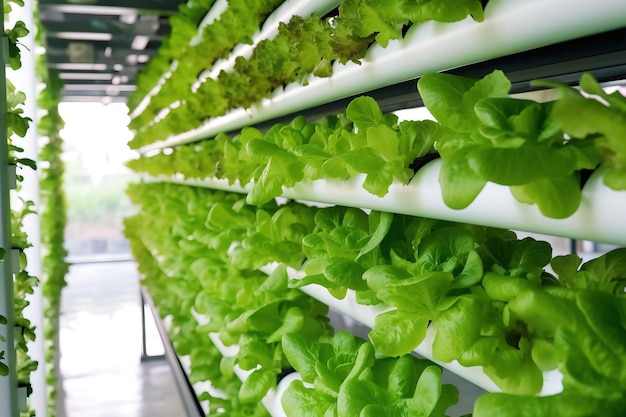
{"x":586,"y":329}
{"x":343,"y":377}
{"x":598,"y":117}
{"x":304,"y":46}
{"x":487,"y":136}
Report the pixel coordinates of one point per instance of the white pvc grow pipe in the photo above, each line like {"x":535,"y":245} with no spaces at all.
{"x":599,"y":217}
{"x":510,"y":26}
{"x":366,"y":315}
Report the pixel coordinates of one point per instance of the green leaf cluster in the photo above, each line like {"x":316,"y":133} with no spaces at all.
{"x":598,"y":117}
{"x":24,"y":283}
{"x":210,"y":262}
{"x":482,"y":136}
{"x":19,"y":30}
{"x":343,"y":377}
{"x":235,"y":25}
{"x":52,"y":217}
{"x":484,"y":294}
{"x":16,"y":123}
{"x":345,"y":243}
{"x":188,"y":339}
{"x":303,"y":47}
{"x":584,"y":335}
{"x":488,"y":136}
{"x":454,"y":279}
{"x":360,"y":141}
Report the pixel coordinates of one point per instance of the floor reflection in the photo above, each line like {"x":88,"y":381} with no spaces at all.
{"x":100,"y":342}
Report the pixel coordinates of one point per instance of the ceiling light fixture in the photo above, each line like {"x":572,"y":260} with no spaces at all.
{"x":82,"y":36}
{"x":98,"y":87}
{"x":128,"y":18}
{"x":78,"y":66}
{"x":140,"y":42}
{"x":85,"y":76}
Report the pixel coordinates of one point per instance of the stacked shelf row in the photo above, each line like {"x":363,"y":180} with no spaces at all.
{"x":509,"y":28}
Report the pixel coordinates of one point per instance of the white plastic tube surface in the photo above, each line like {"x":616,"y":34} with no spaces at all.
{"x":599,"y":217}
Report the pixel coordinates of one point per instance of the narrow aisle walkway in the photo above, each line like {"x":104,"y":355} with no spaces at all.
{"x":100,"y":341}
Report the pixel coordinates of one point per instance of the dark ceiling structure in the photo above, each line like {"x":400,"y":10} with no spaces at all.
{"x":99,"y":46}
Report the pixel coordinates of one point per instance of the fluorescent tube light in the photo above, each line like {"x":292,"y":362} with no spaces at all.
{"x":82,"y":36}
{"x":140,"y":42}
{"x":98,"y":87}
{"x":85,"y":76}
{"x":78,"y":66}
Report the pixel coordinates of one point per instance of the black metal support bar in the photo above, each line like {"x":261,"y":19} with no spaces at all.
{"x":187,"y":393}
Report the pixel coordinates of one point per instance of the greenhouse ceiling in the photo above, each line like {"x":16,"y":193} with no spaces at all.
{"x":99,"y":46}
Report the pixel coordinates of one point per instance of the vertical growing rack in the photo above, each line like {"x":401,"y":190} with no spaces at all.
{"x":8,"y":384}
{"x":529,"y":40}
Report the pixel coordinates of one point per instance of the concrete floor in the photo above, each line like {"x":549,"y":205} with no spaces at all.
{"x":100,"y":341}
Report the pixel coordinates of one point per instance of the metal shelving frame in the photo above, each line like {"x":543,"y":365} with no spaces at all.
{"x":187,"y":394}
{"x":8,"y":384}
{"x":553,"y":39}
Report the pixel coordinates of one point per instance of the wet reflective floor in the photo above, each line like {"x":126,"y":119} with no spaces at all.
{"x":101,"y":348}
